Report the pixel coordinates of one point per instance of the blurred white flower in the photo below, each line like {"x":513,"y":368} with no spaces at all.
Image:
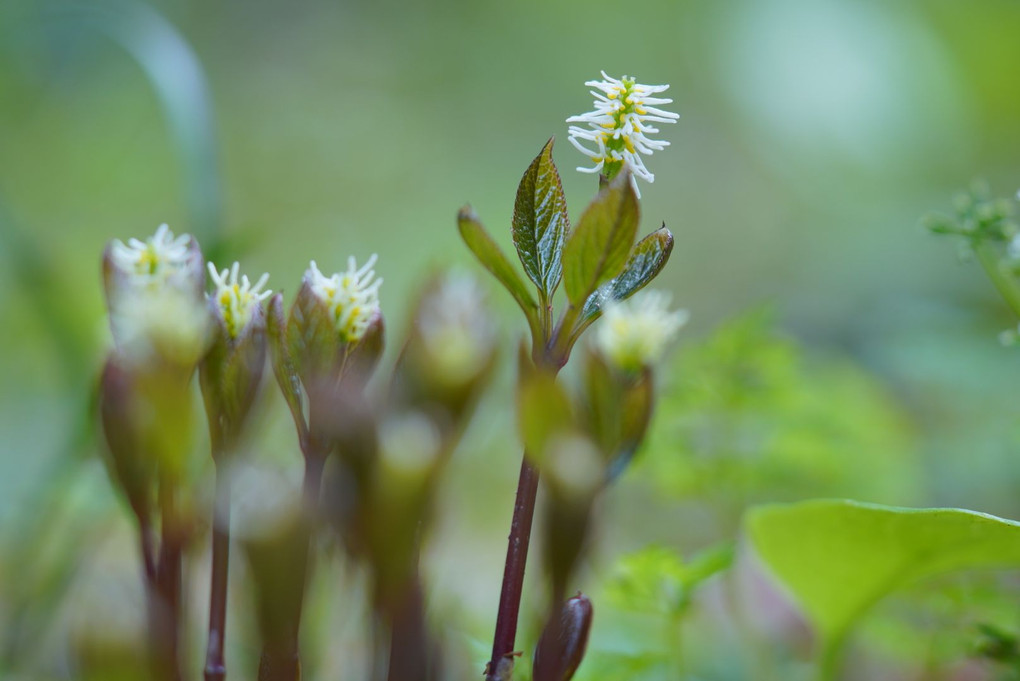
{"x":236,"y":299}
{"x":634,"y":333}
{"x":165,"y":324}
{"x":619,"y":126}
{"x":154,"y":260}
{"x":352,"y":297}
{"x":456,"y":327}
{"x":409,"y":443}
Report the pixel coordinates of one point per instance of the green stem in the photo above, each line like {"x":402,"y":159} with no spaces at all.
{"x":831,"y":659}
{"x":1006,"y":284}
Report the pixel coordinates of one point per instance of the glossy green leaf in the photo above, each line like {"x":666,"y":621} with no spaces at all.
{"x":597,"y":249}
{"x":540,"y":221}
{"x":838,"y":558}
{"x":493,"y":259}
{"x":644,"y":264}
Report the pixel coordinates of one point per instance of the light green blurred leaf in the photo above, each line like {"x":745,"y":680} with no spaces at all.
{"x":540,"y":221}
{"x":838,"y":557}
{"x":544,"y":410}
{"x":597,"y":249}
{"x":493,"y":259}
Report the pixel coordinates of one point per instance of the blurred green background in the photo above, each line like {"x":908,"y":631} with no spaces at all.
{"x":813,"y":135}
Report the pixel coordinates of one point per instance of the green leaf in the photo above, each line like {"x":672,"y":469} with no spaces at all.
{"x":492,"y":258}
{"x":540,"y":221}
{"x":597,"y":249}
{"x":646,"y":261}
{"x":838,"y":558}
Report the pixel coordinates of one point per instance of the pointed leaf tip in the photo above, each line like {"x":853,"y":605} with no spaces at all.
{"x":540,"y":222}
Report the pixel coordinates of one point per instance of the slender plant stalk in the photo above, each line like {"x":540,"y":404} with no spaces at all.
{"x":552,"y":356}
{"x":215,"y":664}
{"x":513,"y":571}
{"x":1006,"y":285}
{"x":165,"y":599}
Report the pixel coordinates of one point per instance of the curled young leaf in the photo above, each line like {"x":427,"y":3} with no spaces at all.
{"x":644,"y":264}
{"x":540,"y":222}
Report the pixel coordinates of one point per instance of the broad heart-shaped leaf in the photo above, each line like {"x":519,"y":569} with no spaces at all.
{"x":597,"y":249}
{"x":489,"y":254}
{"x":540,"y":221}
{"x":838,"y":558}
{"x":646,"y":261}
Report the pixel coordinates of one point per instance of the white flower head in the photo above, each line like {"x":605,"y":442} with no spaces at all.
{"x":153,"y":261}
{"x":620,"y":126}
{"x":236,"y":299}
{"x":634,"y":333}
{"x":352,"y":296}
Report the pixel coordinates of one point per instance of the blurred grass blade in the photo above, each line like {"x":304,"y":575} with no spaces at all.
{"x":178,"y":79}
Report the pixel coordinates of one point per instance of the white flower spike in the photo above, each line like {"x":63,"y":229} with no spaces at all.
{"x":619,"y":126}
{"x":154,"y":260}
{"x":634,"y":333}
{"x":352,"y":297}
{"x":236,"y":299}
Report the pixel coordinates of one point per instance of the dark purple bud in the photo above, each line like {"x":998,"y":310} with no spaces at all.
{"x":561,"y":647}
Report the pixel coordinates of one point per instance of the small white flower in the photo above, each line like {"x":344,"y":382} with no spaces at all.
{"x":154,"y":260}
{"x":235,"y":299}
{"x":352,"y":296}
{"x":634,"y":333}
{"x":619,"y":126}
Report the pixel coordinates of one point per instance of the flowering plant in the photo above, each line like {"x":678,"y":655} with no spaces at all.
{"x":373,"y":457}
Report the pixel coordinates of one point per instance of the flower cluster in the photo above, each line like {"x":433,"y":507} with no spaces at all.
{"x":153,"y":261}
{"x":634,"y":333}
{"x":236,"y":299}
{"x":619,"y":126}
{"x":352,"y":297}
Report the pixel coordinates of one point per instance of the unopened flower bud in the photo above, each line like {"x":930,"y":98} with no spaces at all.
{"x":564,"y":639}
{"x":331,"y":316}
{"x":452,"y":347}
{"x":124,"y":420}
{"x":230,"y":373}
